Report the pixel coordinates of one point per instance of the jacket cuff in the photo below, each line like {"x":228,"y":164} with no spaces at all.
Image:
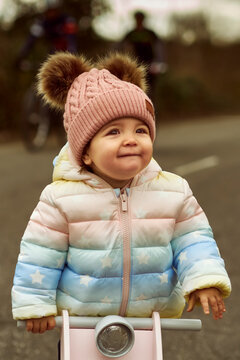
{"x":34,"y":311}
{"x":222,"y":283}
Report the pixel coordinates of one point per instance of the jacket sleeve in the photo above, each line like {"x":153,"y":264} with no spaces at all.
{"x":196,"y":256}
{"x":42,"y":256}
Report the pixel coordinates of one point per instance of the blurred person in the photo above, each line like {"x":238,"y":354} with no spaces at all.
{"x":147,"y":47}
{"x":113,"y":233}
{"x":57,"y":28}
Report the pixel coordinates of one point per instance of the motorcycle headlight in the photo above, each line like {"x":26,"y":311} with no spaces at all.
{"x":114,"y":336}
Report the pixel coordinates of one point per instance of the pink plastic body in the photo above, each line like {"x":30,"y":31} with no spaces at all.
{"x":79,"y":344}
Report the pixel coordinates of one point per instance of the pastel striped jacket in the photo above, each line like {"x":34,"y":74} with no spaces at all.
{"x":96,"y":251}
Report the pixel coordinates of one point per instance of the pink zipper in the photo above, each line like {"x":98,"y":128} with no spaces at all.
{"x":126,"y":253}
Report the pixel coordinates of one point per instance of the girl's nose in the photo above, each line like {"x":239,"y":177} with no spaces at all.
{"x":129,"y":141}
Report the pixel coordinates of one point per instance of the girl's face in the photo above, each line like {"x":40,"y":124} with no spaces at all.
{"x":119,"y":151}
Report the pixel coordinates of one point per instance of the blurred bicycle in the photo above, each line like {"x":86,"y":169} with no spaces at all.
{"x":59,"y":30}
{"x":38,"y":120}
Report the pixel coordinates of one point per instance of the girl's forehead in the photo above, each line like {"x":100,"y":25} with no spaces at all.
{"x":126,"y":120}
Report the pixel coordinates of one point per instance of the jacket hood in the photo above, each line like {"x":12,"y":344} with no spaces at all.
{"x":66,"y":169}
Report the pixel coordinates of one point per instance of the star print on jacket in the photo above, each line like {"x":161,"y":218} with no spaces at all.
{"x":37,"y":277}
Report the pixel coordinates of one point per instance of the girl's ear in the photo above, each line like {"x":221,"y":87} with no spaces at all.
{"x":86,"y":159}
{"x":125,"y":68}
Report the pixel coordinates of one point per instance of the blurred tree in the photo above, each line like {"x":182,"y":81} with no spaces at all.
{"x":189,"y":28}
{"x":19,"y":8}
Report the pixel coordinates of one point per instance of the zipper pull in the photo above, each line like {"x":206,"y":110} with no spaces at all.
{"x":123,"y":198}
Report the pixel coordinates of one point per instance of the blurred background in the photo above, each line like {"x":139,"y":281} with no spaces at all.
{"x":192,"y":52}
{"x":200,"y":44}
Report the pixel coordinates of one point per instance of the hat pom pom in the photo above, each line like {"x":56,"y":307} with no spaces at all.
{"x":125,"y":68}
{"x":57,"y":74}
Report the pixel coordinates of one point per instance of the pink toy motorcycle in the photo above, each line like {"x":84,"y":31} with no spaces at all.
{"x":94,"y":338}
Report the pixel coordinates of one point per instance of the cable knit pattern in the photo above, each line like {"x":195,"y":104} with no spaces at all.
{"x":72,"y":249}
{"x":97,"y":97}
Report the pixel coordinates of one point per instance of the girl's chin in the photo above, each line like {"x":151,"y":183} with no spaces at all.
{"x":133,"y":169}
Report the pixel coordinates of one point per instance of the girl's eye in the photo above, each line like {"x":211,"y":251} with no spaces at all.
{"x":142,"y":131}
{"x":113,"y":132}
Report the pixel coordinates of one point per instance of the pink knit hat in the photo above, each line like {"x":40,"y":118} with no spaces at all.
{"x":97,"y":97}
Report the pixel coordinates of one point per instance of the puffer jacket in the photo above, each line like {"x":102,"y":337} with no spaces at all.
{"x":95,"y":251}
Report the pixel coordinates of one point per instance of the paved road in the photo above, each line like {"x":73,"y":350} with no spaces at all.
{"x":206,"y":152}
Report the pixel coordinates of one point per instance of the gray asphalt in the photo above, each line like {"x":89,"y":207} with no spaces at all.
{"x":216,"y":187}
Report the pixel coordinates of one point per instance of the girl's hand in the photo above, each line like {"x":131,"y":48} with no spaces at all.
{"x":210,"y":296}
{"x":40,"y":325}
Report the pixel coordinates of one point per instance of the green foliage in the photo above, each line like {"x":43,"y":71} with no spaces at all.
{"x":187,"y":96}
{"x":180,"y":95}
